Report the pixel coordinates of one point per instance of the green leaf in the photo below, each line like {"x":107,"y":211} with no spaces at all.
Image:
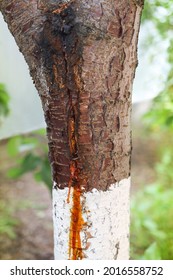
{"x":4,"y":101}
{"x":19,"y":144}
{"x":14,"y":172}
{"x":169,"y":121}
{"x":41,"y":132}
{"x":152,"y":252}
{"x":28,"y":143}
{"x":13,"y":145}
{"x":30,"y":162}
{"x":7,"y":221}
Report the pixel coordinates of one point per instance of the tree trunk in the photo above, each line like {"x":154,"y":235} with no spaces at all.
{"x":82,"y":57}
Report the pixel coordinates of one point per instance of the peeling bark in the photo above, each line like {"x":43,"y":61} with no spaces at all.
{"x":82,"y":57}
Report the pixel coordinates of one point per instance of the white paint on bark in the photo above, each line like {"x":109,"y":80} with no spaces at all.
{"x":61,"y":217}
{"x":106,"y":213}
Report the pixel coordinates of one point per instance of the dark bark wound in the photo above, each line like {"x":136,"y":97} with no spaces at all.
{"x":61,"y":52}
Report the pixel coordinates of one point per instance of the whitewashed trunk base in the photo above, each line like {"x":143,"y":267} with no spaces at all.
{"x":106,"y":236}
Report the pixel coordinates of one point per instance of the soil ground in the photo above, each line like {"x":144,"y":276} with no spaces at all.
{"x":30,"y":203}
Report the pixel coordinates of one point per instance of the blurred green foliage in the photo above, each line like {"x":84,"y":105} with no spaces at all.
{"x":160,"y":13}
{"x":4,"y":101}
{"x":152,"y":208}
{"x":31,"y":154}
{"x":7,"y":221}
{"x":160,"y":117}
{"x":152,"y":223}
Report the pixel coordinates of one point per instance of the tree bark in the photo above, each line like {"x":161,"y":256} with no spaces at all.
{"x":82,"y":57}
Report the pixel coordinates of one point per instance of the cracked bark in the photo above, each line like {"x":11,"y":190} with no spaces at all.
{"x":82,"y":58}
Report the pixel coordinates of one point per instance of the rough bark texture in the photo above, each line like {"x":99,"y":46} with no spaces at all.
{"x":82,"y":58}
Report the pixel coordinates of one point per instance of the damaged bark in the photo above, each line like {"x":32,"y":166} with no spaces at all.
{"x":82,"y":58}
